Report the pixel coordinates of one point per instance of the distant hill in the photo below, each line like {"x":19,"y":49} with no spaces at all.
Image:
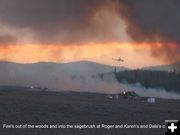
{"x":79,"y":67}
{"x":168,"y":67}
{"x":90,"y":68}
{"x":48,"y":74}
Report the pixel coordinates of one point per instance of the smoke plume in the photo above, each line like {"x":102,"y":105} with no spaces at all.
{"x":83,"y":21}
{"x":63,"y":21}
{"x":57,"y":77}
{"x":155,"y":22}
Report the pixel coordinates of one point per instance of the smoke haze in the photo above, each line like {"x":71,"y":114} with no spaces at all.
{"x":82,"y":21}
{"x":60,"y":77}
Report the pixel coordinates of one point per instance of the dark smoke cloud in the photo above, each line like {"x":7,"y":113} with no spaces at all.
{"x":64,"y":21}
{"x":154,"y":21}
{"x":72,"y":21}
{"x":25,"y":13}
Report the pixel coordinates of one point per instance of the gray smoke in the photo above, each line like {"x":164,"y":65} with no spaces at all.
{"x":59,"y":77}
{"x":154,"y":22}
{"x":84,"y":21}
{"x":110,"y":85}
{"x":61,"y":21}
{"x":147,"y":20}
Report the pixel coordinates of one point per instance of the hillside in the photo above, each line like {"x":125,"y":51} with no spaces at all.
{"x":79,"y":67}
{"x":151,"y":79}
{"x":51,"y":75}
{"x":168,"y":67}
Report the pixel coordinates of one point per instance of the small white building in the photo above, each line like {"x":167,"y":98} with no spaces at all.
{"x":151,"y":100}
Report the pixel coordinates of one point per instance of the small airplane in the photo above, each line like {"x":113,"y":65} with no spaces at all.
{"x":119,"y":59}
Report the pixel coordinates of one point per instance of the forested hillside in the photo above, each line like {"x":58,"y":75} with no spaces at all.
{"x":151,"y":79}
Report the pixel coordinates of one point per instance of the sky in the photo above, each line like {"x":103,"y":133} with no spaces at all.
{"x":142,"y":32}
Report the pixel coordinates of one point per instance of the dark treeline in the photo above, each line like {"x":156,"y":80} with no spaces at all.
{"x":151,"y":79}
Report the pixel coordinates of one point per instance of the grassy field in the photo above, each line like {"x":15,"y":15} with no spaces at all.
{"x":38,"y":107}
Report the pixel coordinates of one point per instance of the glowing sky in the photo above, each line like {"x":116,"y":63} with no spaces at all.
{"x":73,"y":30}
{"x":134,"y":56}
